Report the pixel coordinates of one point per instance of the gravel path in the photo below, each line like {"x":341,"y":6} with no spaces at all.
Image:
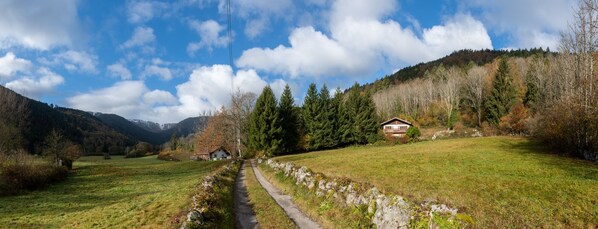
{"x":285,"y":202}
{"x":245,"y":217}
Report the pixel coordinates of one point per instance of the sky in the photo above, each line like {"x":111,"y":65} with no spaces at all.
{"x":164,"y":61}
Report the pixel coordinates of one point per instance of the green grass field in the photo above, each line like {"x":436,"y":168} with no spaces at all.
{"x":499,"y":181}
{"x":117,"y":193}
{"x":268,"y":213}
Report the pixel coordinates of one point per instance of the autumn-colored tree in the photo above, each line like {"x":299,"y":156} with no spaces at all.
{"x":215,"y":135}
{"x":516,"y":121}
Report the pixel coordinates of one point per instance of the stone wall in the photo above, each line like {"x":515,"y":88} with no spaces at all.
{"x":388,"y":211}
{"x":206,"y":201}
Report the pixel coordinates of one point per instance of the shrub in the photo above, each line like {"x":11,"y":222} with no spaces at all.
{"x":140,"y":150}
{"x":174,"y":155}
{"x":21,"y":171}
{"x":516,"y":122}
{"x":413,"y":133}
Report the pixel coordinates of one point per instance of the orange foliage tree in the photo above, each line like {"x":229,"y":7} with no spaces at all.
{"x":218,"y":133}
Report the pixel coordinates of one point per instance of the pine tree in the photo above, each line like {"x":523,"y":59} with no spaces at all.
{"x":310,"y":111}
{"x":344,"y":120}
{"x":337,"y":108}
{"x":502,"y":95}
{"x":367,"y":120}
{"x":323,"y":136}
{"x":532,"y":93}
{"x":265,"y":131}
{"x":289,"y":121}
{"x":352,"y":105}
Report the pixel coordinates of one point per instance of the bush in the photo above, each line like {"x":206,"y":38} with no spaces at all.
{"x":21,"y":171}
{"x":413,"y":133}
{"x":516,"y":122}
{"x":174,"y":155}
{"x":140,"y":150}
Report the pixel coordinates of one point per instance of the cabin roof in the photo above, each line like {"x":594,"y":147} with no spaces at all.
{"x":204,"y":152}
{"x":396,"y":119}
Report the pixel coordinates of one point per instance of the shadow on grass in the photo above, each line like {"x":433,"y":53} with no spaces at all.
{"x":570,"y":164}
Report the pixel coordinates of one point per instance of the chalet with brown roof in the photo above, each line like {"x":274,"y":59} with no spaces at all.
{"x":396,"y":127}
{"x":219,"y":153}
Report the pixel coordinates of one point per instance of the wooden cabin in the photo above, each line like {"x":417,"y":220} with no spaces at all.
{"x":219,"y":153}
{"x":396,"y":127}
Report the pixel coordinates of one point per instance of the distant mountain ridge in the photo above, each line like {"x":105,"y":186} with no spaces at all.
{"x":25,"y":123}
{"x":152,"y":126}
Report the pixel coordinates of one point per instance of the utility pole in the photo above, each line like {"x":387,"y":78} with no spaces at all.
{"x":236,"y":123}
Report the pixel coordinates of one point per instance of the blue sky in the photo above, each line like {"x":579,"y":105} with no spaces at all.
{"x":167,"y":60}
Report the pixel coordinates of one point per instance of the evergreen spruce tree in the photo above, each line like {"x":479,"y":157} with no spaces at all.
{"x":352,"y":110}
{"x":265,"y":131}
{"x":323,"y":136}
{"x":502,"y":95}
{"x":309,"y":113}
{"x":289,"y":121}
{"x":337,"y":108}
{"x":532,"y":94}
{"x":367,"y":120}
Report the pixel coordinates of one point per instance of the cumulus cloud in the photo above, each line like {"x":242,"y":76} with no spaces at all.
{"x":144,"y":11}
{"x":210,"y":37}
{"x":140,"y":12}
{"x":258,"y":14}
{"x":35,"y":87}
{"x":10,"y":65}
{"x":38,"y":24}
{"x":142,"y":37}
{"x":75,"y":61}
{"x":119,"y":70}
{"x":123,"y":98}
{"x":360,"y":40}
{"x":527,"y":23}
{"x":159,"y":97}
{"x":207,"y":89}
{"x":154,"y":70}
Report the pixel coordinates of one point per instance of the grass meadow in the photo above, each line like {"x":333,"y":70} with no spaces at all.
{"x":499,"y":181}
{"x":117,"y":193}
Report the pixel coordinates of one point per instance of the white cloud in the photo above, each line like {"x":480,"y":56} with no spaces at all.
{"x":207,"y":89}
{"x":140,"y":12}
{"x":123,"y":98}
{"x":360,"y":42}
{"x":10,"y":65}
{"x":155,"y":70}
{"x":142,"y":37}
{"x":527,"y":23}
{"x":255,"y":27}
{"x":38,"y":24}
{"x":311,"y":53}
{"x":258,"y":14}
{"x":78,"y":61}
{"x":35,"y":87}
{"x":209,"y":33}
{"x":159,"y":97}
{"x":119,"y":70}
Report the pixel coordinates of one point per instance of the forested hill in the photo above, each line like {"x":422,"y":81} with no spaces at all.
{"x":460,"y":58}
{"x":134,"y":128}
{"x":25,"y":123}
